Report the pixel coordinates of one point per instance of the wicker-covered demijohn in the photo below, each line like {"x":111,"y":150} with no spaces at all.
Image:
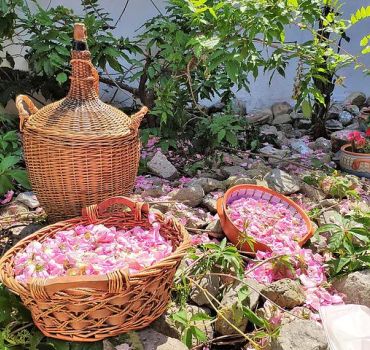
{"x":79,"y":150}
{"x":91,"y":308}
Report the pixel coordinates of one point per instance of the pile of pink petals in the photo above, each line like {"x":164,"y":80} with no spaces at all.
{"x":91,"y":250}
{"x":274,"y":225}
{"x":264,"y":221}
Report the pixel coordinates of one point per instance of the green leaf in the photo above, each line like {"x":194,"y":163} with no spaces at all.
{"x":61,"y":78}
{"x":231,"y":139}
{"x":200,"y":316}
{"x":306,"y":109}
{"x":328,"y":228}
{"x":199,"y":335}
{"x":342,"y":262}
{"x":181,"y":317}
{"x":248,"y":313}
{"x":8,"y":162}
{"x":220,"y":135}
{"x":21,"y":177}
{"x":187,"y":337}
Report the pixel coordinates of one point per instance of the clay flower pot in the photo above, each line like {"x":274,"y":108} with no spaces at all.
{"x":355,"y":163}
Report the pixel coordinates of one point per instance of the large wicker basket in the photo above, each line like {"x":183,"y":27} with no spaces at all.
{"x":91,"y":308}
{"x":79,"y":150}
{"x":256,"y":192}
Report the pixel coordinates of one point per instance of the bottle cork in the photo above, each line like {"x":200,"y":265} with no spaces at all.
{"x":79,"y":32}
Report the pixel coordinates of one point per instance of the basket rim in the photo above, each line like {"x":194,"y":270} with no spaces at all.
{"x":310,"y":230}
{"x":16,"y":286}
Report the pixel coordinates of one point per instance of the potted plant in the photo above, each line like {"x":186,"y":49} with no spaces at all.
{"x":355,"y":156}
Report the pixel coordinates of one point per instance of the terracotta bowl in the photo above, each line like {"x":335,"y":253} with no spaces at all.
{"x":257,"y":192}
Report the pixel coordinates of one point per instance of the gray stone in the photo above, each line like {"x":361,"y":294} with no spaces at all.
{"x":239,"y":180}
{"x":215,"y":226}
{"x":233,"y":170}
{"x":302,"y":335}
{"x":238,"y":107}
{"x":281,"y":181}
{"x":269,"y":149}
{"x":356,"y":98}
{"x":312,"y":192}
{"x":13,"y":209}
{"x":285,"y":292}
{"x":345,"y":118}
{"x":260,"y":117}
{"x":232,"y":309}
{"x":281,"y":140}
{"x":286,"y":128}
{"x":353,"y":109}
{"x":334,"y":111}
{"x":323,"y":144}
{"x":333,"y":125}
{"x":191,"y":196}
{"x":268,"y":130}
{"x":208,"y":184}
{"x":29,"y":199}
{"x":155,"y":192}
{"x":195,"y":217}
{"x":297,"y":115}
{"x":353,"y":126}
{"x":356,"y":287}
{"x":282,"y":119}
{"x":301,"y":147}
{"x":210,"y":203}
{"x":304,"y":124}
{"x":161,"y":167}
{"x":329,"y":217}
{"x":216,"y":107}
{"x":152,"y":340}
{"x":280,"y":108}
{"x":211,"y":283}
{"x":258,"y":169}
{"x":280,"y":153}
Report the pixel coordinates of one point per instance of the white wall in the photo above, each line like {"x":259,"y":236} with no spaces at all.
{"x":138,"y":11}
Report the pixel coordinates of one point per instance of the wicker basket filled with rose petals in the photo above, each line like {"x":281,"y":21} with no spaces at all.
{"x":252,"y":217}
{"x":107,"y":272}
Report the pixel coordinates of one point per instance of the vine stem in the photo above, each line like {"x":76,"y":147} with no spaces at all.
{"x":208,"y":295}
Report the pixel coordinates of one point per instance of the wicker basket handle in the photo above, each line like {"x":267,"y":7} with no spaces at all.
{"x":93,"y":212}
{"x":114,"y":282}
{"x":137,"y":118}
{"x":23,"y":114}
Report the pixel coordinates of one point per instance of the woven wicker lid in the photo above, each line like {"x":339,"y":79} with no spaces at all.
{"x":81,"y":112}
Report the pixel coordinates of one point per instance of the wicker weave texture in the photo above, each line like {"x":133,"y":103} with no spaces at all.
{"x":91,"y":308}
{"x":79,"y":150}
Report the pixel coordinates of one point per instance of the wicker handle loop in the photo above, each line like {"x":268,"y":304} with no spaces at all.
{"x":137,"y":118}
{"x":94,"y":73}
{"x":23,"y":114}
{"x":114,"y":282}
{"x":93,"y":212}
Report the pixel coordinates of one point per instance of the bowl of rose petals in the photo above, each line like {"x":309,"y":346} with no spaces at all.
{"x":253,"y":216}
{"x":107,"y":272}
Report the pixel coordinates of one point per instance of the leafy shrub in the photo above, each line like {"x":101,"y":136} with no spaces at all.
{"x":349,"y":244}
